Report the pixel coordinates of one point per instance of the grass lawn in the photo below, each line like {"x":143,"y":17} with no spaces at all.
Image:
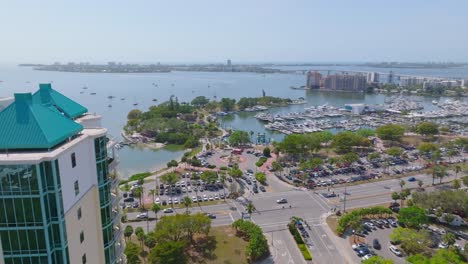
{"x":228,"y":248}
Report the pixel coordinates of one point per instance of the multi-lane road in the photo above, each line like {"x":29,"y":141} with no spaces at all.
{"x":309,"y":205}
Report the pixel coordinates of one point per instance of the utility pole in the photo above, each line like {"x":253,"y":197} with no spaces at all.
{"x":344,"y":199}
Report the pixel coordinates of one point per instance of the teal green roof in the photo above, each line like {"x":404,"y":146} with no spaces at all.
{"x":49,"y":97}
{"x":30,"y":125}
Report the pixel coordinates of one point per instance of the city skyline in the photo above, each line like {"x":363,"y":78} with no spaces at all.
{"x":245,"y":32}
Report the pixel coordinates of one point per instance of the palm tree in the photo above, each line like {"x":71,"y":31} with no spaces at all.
{"x":170,"y":179}
{"x":420,"y":183}
{"x":402,"y":183}
{"x":152,"y":192}
{"x":251,"y":134}
{"x":138,"y":193}
{"x":457,"y":170}
{"x":187,"y":203}
{"x":156,"y":208}
{"x":223,"y":181}
{"x":250,"y":208}
{"x":439,"y":172}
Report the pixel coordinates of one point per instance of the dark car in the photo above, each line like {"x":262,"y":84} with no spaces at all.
{"x":212,"y":216}
{"x":376,"y":244}
{"x":262,"y":189}
{"x":411,"y":179}
{"x":362,"y":252}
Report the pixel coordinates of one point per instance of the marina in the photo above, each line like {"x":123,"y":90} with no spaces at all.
{"x":396,"y":110}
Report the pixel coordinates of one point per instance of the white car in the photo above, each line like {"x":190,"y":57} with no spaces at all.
{"x":168,"y":211}
{"x":194,"y":199}
{"x":142,"y":216}
{"x":205,"y":198}
{"x":157,"y":201}
{"x":368,"y":256}
{"x":395,"y":251}
{"x":443,"y":245}
{"x":216,"y":197}
{"x":176,"y":200}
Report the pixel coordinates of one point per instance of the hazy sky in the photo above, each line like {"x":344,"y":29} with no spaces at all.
{"x":242,"y":30}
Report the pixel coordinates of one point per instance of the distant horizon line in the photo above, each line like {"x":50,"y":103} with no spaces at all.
{"x":240,"y":62}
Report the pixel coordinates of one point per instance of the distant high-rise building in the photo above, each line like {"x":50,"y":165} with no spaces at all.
{"x":58,"y":185}
{"x":345,"y":82}
{"x":229,"y":64}
{"x":313,"y":79}
{"x":411,"y":81}
{"x":390,"y":77}
{"x":372,"y":77}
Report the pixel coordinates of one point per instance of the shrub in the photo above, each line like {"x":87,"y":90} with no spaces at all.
{"x":260,"y":161}
{"x":258,"y":245}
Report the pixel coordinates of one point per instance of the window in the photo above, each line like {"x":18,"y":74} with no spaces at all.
{"x":77,"y":188}
{"x":83,"y":259}
{"x":73,"y":160}
{"x":79,"y":213}
{"x":81,"y":237}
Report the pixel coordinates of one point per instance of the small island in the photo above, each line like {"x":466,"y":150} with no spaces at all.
{"x":185,"y":124}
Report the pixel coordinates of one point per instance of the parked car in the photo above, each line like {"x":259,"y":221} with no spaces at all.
{"x":411,"y":179}
{"x":395,"y":251}
{"x":359,"y":246}
{"x":168,"y":211}
{"x":376,"y":244}
{"x":142,"y":216}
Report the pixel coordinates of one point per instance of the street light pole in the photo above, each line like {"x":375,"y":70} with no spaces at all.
{"x":344,"y":199}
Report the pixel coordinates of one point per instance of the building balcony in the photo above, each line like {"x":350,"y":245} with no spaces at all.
{"x":112,"y":163}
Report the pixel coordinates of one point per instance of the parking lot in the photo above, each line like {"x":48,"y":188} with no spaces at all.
{"x":377,"y":241}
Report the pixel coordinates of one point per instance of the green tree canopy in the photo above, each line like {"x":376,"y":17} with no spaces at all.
{"x":266,"y":152}
{"x":427,"y":128}
{"x":200,"y":101}
{"x":390,"y":132}
{"x":261,"y":178}
{"x":134,"y":114}
{"x":239,"y":137}
{"x":227,"y":104}
{"x":426,"y":147}
{"x":209,"y":176}
{"x":412,"y":241}
{"x":442,"y":256}
{"x":349,"y":158}
{"x":132,"y":251}
{"x":365,"y":132}
{"x":394,"y":151}
{"x":412,"y":216}
{"x":377,"y":260}
{"x":169,"y":252}
{"x":343,"y":142}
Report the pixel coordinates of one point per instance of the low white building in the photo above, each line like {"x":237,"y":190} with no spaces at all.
{"x":457,"y":220}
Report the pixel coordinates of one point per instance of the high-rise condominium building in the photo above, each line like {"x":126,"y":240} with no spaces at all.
{"x":373,"y":77}
{"x":345,"y":82}
{"x":58,"y":186}
{"x":313,"y":79}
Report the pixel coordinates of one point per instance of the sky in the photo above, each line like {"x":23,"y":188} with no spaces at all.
{"x":178,"y":31}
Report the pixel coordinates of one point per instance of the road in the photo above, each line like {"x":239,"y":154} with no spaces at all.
{"x":309,"y":205}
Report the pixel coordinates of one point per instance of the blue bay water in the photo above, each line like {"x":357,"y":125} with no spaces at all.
{"x":138,"y":89}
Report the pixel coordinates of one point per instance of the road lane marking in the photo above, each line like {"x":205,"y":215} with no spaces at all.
{"x":324,"y":208}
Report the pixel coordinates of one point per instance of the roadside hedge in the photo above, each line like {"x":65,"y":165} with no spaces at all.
{"x":345,"y":220}
{"x":257,"y":248}
{"x":261,"y":161}
{"x":299,"y":241}
{"x":136,"y":177}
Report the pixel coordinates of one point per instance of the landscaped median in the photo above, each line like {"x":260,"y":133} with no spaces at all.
{"x":293,"y":226}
